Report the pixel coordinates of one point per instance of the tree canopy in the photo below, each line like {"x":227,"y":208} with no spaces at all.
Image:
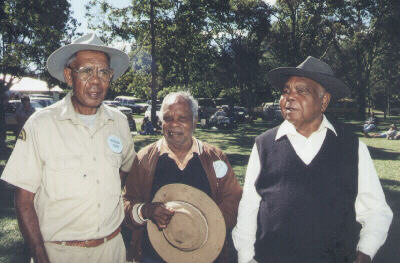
{"x":29,"y":31}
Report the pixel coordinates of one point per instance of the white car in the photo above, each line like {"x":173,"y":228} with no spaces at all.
{"x":115,"y":104}
{"x":11,"y":117}
{"x":125,"y":110}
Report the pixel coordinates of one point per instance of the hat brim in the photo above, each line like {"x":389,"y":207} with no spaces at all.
{"x":119,"y":61}
{"x":215,"y":222}
{"x":278,"y":77}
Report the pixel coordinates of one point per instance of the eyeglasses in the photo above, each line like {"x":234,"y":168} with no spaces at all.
{"x":86,"y":73}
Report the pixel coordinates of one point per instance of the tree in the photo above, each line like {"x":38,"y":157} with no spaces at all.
{"x":30,"y":31}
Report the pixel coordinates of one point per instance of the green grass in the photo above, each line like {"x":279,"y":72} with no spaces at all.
{"x":237,"y":145}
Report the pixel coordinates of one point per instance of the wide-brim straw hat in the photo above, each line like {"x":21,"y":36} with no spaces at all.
{"x":57,"y":61}
{"x":196,"y":232}
{"x":314,"y":69}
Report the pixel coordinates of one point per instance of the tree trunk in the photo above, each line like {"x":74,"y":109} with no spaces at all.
{"x":153,"y":66}
{"x":2,"y":117}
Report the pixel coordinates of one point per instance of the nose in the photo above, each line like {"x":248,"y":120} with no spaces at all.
{"x":291,"y":94}
{"x":95,"y":77}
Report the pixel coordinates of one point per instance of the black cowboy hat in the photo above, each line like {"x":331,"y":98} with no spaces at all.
{"x":314,"y":69}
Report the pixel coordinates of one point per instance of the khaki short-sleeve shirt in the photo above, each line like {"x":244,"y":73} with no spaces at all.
{"x":73,"y":170}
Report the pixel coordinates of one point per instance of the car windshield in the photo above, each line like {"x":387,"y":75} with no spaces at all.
{"x":36,"y":105}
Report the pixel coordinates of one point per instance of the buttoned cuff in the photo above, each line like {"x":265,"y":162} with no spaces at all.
{"x":137,"y":214}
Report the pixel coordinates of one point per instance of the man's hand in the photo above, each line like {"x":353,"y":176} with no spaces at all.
{"x":362,"y":258}
{"x":158,"y":213}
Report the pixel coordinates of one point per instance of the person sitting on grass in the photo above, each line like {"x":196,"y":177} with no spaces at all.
{"x":389,"y":134}
{"x":147,"y":127}
{"x":370,"y":124}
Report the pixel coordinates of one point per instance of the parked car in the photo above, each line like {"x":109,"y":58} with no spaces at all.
{"x":206,"y":107}
{"x":125,"y":110}
{"x":10,"y":113}
{"x":272,"y":112}
{"x":42,"y":101}
{"x":137,"y":105}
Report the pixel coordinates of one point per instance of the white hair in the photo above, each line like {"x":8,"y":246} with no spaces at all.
{"x":192,"y":102}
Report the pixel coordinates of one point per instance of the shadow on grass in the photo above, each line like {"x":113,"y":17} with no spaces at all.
{"x":383,"y":154}
{"x":238,"y":159}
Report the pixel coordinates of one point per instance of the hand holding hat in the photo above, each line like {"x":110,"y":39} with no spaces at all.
{"x":158,"y":213}
{"x":196,"y":232}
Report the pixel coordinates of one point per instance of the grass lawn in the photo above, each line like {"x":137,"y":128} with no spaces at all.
{"x":237,"y":144}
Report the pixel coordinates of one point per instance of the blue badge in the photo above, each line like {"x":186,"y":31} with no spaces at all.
{"x":115,"y":143}
{"x":220,"y":168}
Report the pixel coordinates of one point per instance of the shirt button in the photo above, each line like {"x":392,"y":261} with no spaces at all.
{"x":84,"y":176}
{"x":94,"y":158}
{"x":98,"y":205}
{"x":97,"y":181}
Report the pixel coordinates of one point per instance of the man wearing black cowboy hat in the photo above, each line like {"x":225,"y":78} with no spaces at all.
{"x":311,"y":192}
{"x":68,"y":159}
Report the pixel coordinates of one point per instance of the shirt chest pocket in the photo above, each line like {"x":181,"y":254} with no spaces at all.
{"x":66,"y":178}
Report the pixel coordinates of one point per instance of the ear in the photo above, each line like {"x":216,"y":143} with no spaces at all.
{"x":325,"y":101}
{"x":68,"y":76}
{"x":195,"y":123}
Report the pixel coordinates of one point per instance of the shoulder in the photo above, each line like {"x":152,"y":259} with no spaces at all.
{"x":267,"y":135}
{"x":209,"y":149}
{"x":148,"y":151}
{"x":43,"y":116}
{"x":114,"y":113}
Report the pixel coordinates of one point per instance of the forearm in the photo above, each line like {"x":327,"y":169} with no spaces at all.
{"x":29,"y":225}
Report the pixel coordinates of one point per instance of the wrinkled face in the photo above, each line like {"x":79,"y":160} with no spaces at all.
{"x":177,"y":123}
{"x":88,"y":93}
{"x":303,"y":101}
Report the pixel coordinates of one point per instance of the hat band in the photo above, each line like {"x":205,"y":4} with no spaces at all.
{"x":188,"y":228}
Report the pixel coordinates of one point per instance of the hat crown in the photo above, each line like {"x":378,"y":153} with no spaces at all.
{"x":315,"y":65}
{"x":89,"y":39}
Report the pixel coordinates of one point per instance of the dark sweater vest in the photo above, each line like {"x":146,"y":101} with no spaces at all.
{"x":307,"y":212}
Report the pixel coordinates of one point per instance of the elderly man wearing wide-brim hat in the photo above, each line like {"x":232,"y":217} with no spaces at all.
{"x":311,"y":192}
{"x":68,"y":159}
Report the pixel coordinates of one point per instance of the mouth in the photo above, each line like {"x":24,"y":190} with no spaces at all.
{"x":174,"y":133}
{"x":94,"y":95}
{"x":289,"y":109}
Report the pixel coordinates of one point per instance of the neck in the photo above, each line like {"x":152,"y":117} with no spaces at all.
{"x":307,"y":129}
{"x":81,"y":109}
{"x":181,"y":150}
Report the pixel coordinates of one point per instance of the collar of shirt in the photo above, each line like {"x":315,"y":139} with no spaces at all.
{"x":305,"y":148}
{"x":67,"y":111}
{"x":287,"y":128}
{"x":164,"y":149}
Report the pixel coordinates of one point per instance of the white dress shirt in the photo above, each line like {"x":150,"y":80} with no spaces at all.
{"x":372,"y":211}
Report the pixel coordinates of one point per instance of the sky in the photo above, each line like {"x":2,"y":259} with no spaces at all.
{"x":78,"y":8}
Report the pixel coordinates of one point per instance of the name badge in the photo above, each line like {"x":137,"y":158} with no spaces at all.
{"x":115,"y":144}
{"x":220,"y":168}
